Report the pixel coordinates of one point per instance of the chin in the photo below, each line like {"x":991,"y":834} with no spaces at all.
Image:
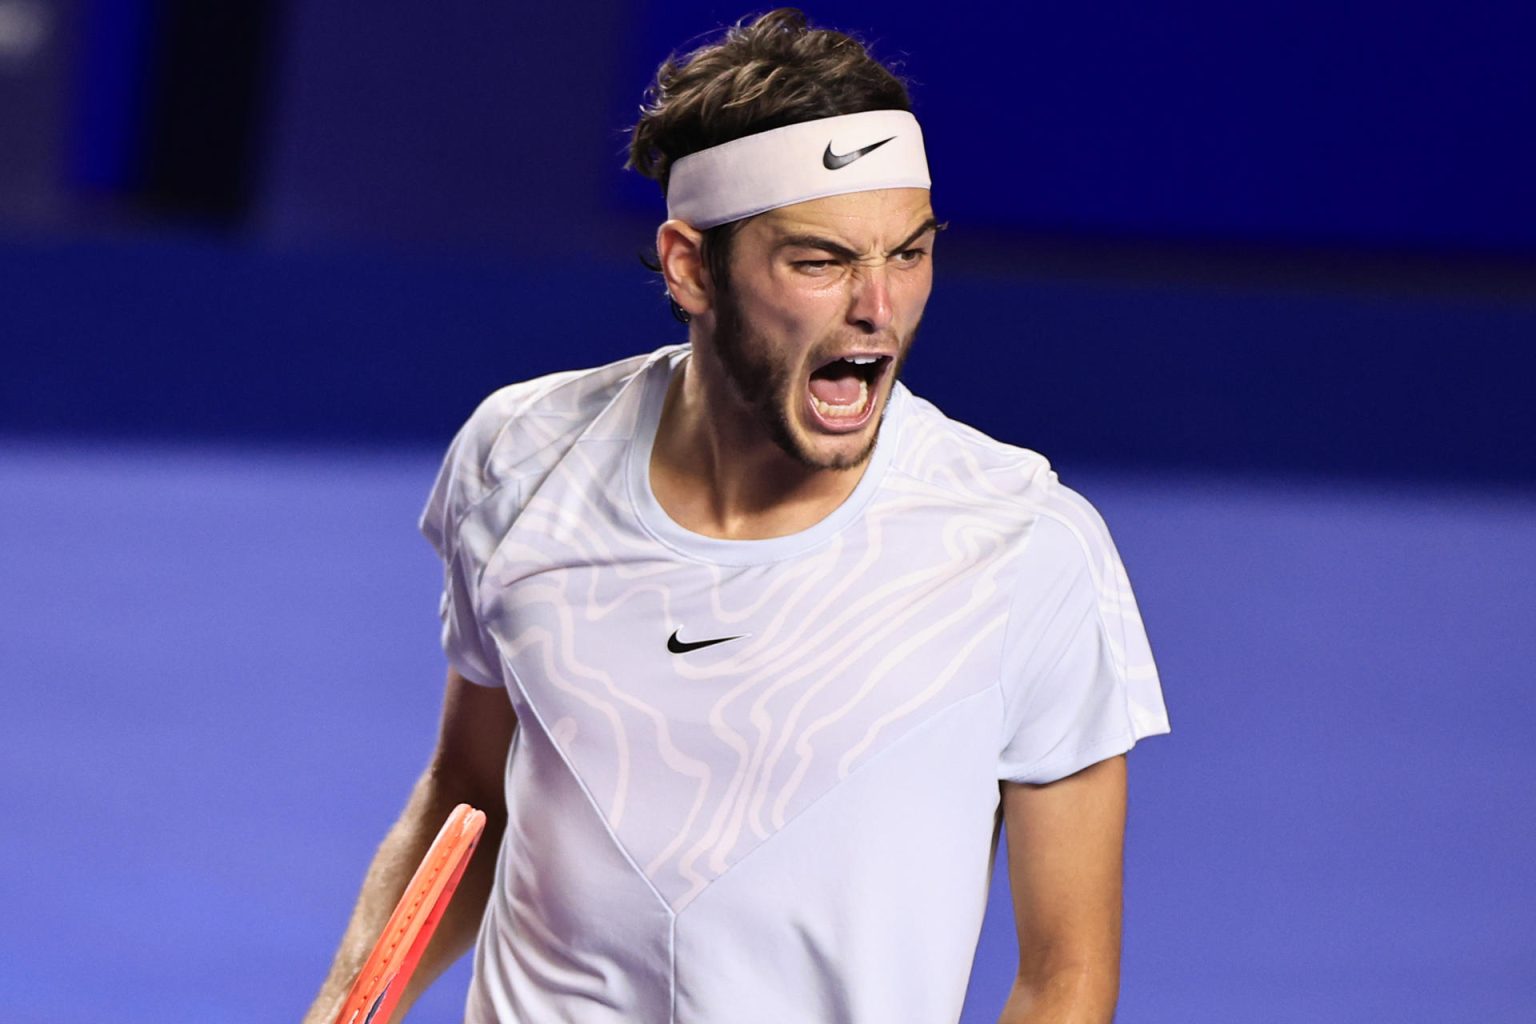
{"x":849,"y":461}
{"x":815,"y":450}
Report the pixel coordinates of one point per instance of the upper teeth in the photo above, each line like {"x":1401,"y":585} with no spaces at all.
{"x":861,"y":360}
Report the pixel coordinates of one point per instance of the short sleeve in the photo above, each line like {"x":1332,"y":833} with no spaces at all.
{"x":461,"y":484}
{"x":1079,"y":684}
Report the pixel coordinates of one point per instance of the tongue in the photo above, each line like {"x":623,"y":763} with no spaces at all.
{"x":836,"y":390}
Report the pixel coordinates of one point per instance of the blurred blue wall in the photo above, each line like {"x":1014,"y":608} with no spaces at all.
{"x":1258,"y":238}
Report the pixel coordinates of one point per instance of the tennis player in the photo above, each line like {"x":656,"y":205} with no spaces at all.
{"x":753,"y":651}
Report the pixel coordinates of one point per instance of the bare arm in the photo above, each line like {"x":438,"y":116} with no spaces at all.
{"x":1065,"y":852}
{"x":468,"y":766}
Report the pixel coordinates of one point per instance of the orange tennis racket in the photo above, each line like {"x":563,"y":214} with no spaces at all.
{"x":389,"y":966}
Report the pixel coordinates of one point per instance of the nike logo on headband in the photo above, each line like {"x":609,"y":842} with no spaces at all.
{"x":832,"y":161}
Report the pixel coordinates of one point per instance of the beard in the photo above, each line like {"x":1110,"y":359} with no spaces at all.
{"x":768,"y":390}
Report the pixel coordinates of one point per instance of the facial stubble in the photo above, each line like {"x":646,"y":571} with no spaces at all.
{"x":768,"y":390}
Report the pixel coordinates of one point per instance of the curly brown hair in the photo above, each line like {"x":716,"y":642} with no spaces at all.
{"x":772,"y":71}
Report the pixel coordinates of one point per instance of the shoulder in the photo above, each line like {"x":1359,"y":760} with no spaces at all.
{"x":526,"y":422}
{"x":948,"y":455}
{"x":1009,"y":484}
{"x":520,"y":431}
{"x":944,"y":453}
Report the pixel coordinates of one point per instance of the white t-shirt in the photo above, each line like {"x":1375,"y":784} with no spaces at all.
{"x":757,"y":781}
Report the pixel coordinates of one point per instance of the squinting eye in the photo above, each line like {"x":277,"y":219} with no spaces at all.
{"x":813,"y":265}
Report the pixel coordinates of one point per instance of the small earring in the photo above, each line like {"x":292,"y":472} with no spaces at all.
{"x":679,"y":314}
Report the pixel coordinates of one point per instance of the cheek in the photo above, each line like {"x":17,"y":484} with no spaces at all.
{"x":914,"y":292}
{"x":791,"y":312}
{"x":792,"y":319}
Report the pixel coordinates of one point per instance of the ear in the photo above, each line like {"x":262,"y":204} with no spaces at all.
{"x":679,"y":249}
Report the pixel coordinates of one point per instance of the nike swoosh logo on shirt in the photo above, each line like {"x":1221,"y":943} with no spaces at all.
{"x":677,"y":646}
{"x":832,"y":161}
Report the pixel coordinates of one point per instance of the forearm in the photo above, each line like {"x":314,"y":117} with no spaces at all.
{"x":1083,"y":993}
{"x":396,"y":860}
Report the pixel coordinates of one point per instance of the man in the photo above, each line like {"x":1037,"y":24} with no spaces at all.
{"x":750,"y":646}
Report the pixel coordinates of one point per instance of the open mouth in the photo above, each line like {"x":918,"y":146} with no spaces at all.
{"x":842,"y":391}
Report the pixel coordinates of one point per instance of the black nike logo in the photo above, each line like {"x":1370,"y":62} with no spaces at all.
{"x":677,"y":646}
{"x":831,"y":161}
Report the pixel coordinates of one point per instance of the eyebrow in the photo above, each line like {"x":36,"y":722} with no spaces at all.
{"x":843,"y":252}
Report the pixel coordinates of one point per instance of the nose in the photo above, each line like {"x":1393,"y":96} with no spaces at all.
{"x":869,"y":305}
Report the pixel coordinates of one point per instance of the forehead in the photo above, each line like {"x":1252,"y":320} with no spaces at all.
{"x":858,"y":219}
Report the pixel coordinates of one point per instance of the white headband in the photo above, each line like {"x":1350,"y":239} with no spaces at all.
{"x":810,"y":160}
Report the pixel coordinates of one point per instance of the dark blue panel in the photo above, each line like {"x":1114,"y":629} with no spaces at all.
{"x":195,"y":338}
{"x":430,"y":122}
{"x":1370,"y":123}
{"x":117,"y":51}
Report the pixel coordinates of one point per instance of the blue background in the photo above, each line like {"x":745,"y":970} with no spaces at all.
{"x":1260,"y":280}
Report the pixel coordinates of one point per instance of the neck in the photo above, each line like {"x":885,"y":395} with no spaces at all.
{"x":717,"y":472}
